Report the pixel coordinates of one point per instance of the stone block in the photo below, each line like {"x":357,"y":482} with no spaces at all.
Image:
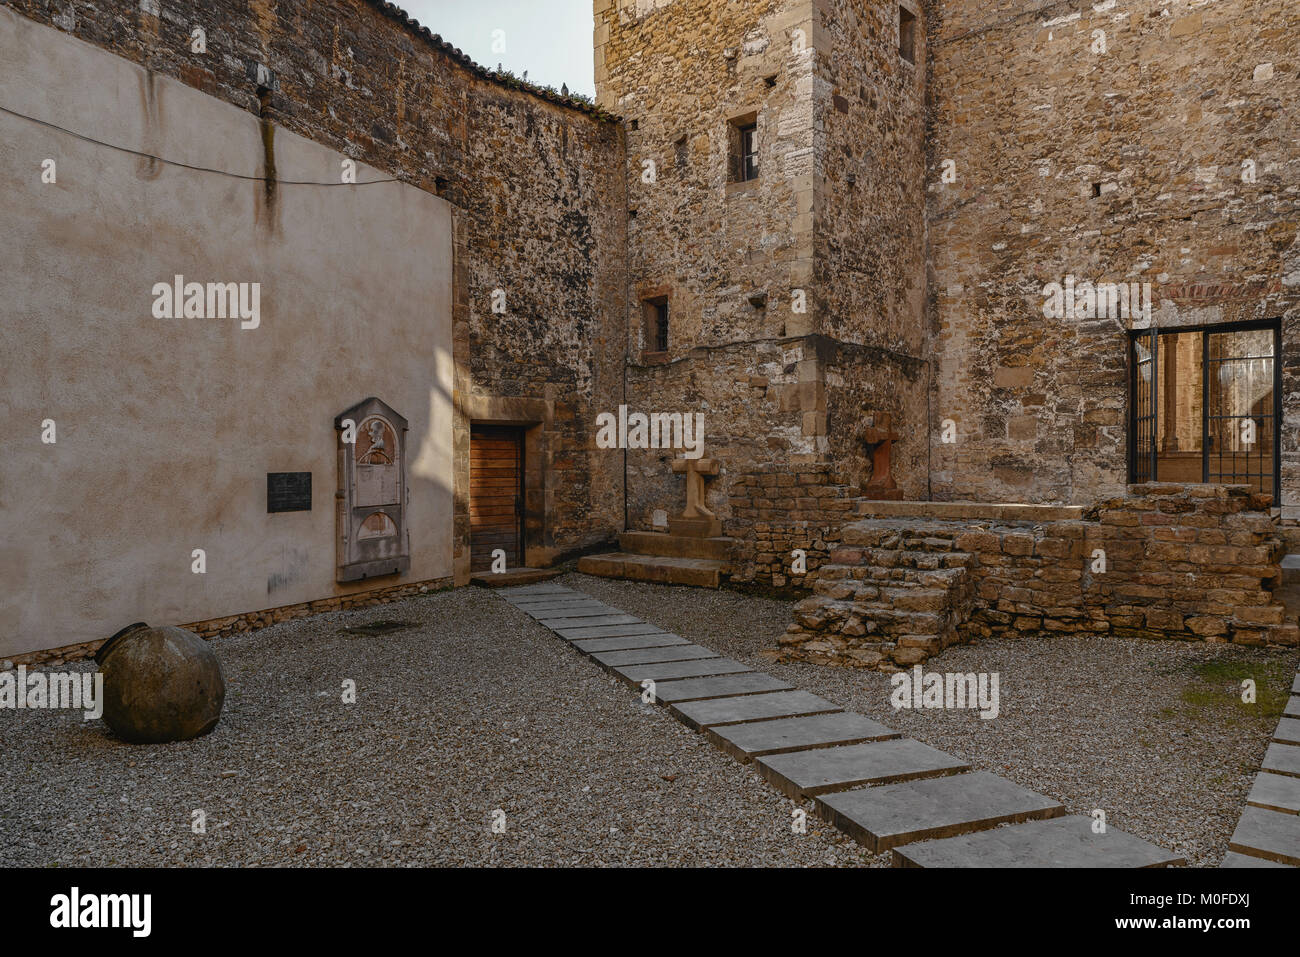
{"x":809,"y":773}
{"x":1272,"y":835}
{"x":646,"y":656}
{"x":719,"y":712}
{"x":1282,"y":759}
{"x":1276,"y":792}
{"x":723,"y":686}
{"x":673,"y":670}
{"x":744,"y":742}
{"x":1059,"y":842}
{"x":883,"y":817}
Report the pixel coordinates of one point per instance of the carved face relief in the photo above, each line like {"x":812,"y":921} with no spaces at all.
{"x":376,"y":444}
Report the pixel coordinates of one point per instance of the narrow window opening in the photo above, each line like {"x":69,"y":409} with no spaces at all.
{"x":656,"y":315}
{"x":907,"y":34}
{"x":743,"y":137}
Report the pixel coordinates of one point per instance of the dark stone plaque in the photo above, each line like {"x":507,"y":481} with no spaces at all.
{"x":288,"y":491}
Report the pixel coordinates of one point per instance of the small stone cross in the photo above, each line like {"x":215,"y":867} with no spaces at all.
{"x":695,"y":470}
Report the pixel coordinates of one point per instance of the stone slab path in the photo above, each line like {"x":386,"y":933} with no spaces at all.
{"x":1268,"y":834}
{"x":883,"y":790}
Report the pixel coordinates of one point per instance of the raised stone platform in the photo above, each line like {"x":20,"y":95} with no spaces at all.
{"x":971,"y":511}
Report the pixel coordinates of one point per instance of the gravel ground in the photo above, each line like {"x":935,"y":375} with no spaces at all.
{"x":1153,"y":733}
{"x":475,"y":708}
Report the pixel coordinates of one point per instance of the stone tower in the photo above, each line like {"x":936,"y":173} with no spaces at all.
{"x":776,"y":170}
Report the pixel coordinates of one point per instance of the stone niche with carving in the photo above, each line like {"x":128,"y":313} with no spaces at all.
{"x":372,"y":533}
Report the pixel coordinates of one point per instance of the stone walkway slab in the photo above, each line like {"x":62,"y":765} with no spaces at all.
{"x":1283,"y":759}
{"x":883,"y":817}
{"x":1060,"y":842}
{"x":1292,"y":707}
{"x":719,"y":712}
{"x":805,"y":774}
{"x":565,"y":606}
{"x":1234,"y":859}
{"x":606,"y":631}
{"x":646,"y":656}
{"x":756,"y":739}
{"x":1268,"y":834}
{"x":568,"y":609}
{"x":588,"y":622}
{"x":1295,"y":685}
{"x":1277,"y":792}
{"x":657,"y":640}
{"x":725,"y":686}
{"x":806,"y":746}
{"x":534,"y":592}
{"x":1288,"y":731}
{"x":672,"y":670}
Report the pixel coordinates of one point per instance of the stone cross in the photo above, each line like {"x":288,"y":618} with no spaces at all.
{"x":880,"y":438}
{"x":695,"y":470}
{"x":696,"y":520}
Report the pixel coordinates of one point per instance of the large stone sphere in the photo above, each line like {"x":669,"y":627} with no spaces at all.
{"x":160,"y":684}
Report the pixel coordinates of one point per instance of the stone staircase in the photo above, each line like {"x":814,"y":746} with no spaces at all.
{"x":664,"y":558}
{"x":897,"y":595}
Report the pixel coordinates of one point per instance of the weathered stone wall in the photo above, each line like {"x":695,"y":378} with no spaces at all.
{"x":1167,"y":562}
{"x":1158,"y":126}
{"x":537,"y":180}
{"x":777,"y":510}
{"x":735,"y":260}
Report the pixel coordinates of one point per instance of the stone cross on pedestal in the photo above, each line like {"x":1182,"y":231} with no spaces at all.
{"x":880,"y":437}
{"x":696,"y":519}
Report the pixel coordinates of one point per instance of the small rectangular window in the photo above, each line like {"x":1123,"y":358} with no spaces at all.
{"x":743,"y":141}
{"x":907,"y":34}
{"x":656,"y":318}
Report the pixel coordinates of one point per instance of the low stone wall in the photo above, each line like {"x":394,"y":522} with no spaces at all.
{"x":248,"y":621}
{"x":777,"y":510}
{"x":1193,"y":562}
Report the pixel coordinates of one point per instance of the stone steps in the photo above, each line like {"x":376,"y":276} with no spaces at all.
{"x":883,"y":603}
{"x":513,"y":577}
{"x":662,"y":569}
{"x":884,"y":790}
{"x":676,"y":546}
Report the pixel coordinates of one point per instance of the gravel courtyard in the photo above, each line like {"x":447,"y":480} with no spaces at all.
{"x":475,"y":708}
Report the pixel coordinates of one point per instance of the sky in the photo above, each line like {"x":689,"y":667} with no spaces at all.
{"x":551,"y":39}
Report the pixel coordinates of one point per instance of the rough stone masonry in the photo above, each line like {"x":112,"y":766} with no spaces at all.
{"x":920,"y":170}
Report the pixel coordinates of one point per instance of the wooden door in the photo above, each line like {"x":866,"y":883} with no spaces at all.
{"x":496,"y":473}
